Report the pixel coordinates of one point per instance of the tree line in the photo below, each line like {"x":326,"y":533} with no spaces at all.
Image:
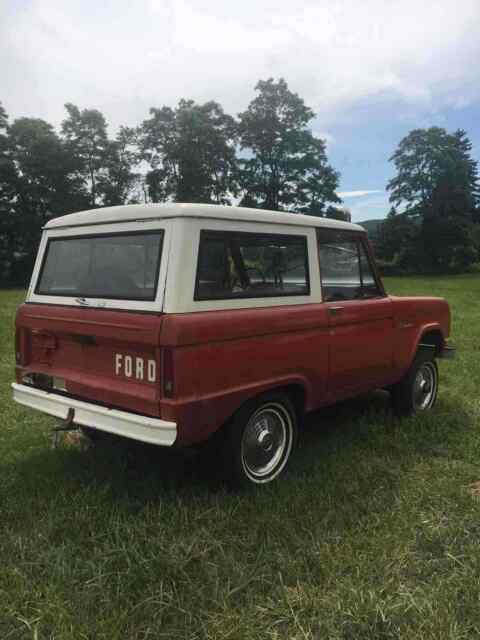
{"x":434,"y":223}
{"x":265,"y":157}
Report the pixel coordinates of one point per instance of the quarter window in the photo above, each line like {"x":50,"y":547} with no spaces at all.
{"x":248,"y":265}
{"x":345,"y":270}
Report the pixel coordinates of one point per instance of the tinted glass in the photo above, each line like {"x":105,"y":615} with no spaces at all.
{"x":345,"y":270}
{"x":249,"y":265}
{"x":340,"y":270}
{"x":117,"y":266}
{"x":368,"y":279}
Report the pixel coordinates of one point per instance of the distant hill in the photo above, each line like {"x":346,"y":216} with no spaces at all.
{"x":371,"y":226}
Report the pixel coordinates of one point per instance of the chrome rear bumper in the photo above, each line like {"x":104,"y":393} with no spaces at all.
{"x":86,"y":414}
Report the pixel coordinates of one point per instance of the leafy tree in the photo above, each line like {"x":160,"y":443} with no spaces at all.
{"x":448,"y":244}
{"x":7,"y":170}
{"x":398,"y":239}
{"x":3,"y":118}
{"x":118,"y":180}
{"x":7,"y":194}
{"x":86,"y":136}
{"x":475,"y":234}
{"x":191,"y":151}
{"x":46,"y":169}
{"x":437,"y":181}
{"x":435,"y":173}
{"x":45,"y":185}
{"x":287,"y":166}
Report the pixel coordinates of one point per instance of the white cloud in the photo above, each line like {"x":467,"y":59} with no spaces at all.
{"x":371,"y":207}
{"x":124,"y":57}
{"x":358,"y":194}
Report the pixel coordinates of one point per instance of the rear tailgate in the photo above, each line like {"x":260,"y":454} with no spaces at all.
{"x":104,"y":356}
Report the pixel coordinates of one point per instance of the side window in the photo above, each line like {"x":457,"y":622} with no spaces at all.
{"x":249,"y":265}
{"x":345,"y":269}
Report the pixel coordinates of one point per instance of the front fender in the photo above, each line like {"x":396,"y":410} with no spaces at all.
{"x":418,"y":320}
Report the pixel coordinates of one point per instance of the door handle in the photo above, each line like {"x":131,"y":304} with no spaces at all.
{"x":333,"y":311}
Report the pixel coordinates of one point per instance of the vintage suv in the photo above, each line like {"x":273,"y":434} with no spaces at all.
{"x":173,"y":323}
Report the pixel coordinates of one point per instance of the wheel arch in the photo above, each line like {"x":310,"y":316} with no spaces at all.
{"x":431,"y":337}
{"x":298,"y":396}
{"x":296,"y":392}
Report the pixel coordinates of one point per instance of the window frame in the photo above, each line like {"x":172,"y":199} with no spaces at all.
{"x":50,"y":241}
{"x":277,"y":237}
{"x":127,"y":228}
{"x":361,"y":242}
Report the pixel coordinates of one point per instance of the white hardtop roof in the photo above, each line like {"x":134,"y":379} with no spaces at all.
{"x":132,"y":212}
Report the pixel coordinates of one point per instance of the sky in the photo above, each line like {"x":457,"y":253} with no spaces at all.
{"x":372,"y":70}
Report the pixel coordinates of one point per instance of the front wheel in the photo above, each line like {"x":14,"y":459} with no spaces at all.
{"x":260,"y":440}
{"x":418,"y":390}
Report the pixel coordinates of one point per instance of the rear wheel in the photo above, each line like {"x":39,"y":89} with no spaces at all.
{"x":260,"y":440}
{"x":418,"y":390}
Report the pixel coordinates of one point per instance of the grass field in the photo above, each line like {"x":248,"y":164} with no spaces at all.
{"x":373,"y":533}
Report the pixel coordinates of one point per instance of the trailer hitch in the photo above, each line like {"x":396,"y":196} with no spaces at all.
{"x":66,"y":425}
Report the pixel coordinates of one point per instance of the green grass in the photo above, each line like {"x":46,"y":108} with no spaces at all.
{"x":373,"y":533}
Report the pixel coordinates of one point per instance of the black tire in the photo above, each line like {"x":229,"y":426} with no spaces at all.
{"x":259,"y":440}
{"x":418,"y":389}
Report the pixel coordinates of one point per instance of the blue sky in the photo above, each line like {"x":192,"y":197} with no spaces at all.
{"x":372,"y":70}
{"x":364,"y":138}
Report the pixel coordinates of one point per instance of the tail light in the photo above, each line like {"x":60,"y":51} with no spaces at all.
{"x":168,"y":373}
{"x":21,"y":347}
{"x":18,"y":354}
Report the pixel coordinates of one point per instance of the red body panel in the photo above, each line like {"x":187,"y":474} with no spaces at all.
{"x":220,"y":359}
{"x":415,"y":317}
{"x":361,"y":344}
{"x":78,"y":345}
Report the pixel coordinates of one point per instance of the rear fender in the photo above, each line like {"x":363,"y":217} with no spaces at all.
{"x":201,"y":418}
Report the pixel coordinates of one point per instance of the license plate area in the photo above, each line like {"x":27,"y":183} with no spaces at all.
{"x":43,"y":346}
{"x":45,"y":382}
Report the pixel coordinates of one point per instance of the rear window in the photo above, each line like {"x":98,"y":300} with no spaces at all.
{"x":250,"y":265}
{"x":116,"y":266}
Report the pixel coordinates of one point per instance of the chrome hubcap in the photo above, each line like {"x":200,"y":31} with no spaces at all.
{"x":425,"y":386}
{"x":266,"y":442}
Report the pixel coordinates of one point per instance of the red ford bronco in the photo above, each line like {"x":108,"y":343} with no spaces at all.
{"x":171,"y":323}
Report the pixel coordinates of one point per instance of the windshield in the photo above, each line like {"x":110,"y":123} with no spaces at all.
{"x":122,"y":266}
